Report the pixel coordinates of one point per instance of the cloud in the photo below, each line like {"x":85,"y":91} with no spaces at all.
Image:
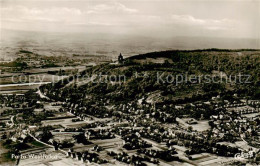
{"x":123,"y":8}
{"x":92,"y":23}
{"x":216,"y":28}
{"x":36,"y":11}
{"x":53,"y":14}
{"x":105,"y":14}
{"x":111,"y":8}
{"x":186,"y":19}
{"x":209,"y":24}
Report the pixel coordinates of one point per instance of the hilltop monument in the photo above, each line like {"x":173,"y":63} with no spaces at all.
{"x":120,"y":59}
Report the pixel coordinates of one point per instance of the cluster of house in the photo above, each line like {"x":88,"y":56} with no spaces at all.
{"x":245,"y":110}
{"x":132,"y":141}
{"x":14,"y":101}
{"x":35,"y":60}
{"x":168,"y":155}
{"x":85,"y":157}
{"x":234,"y":123}
{"x":133,"y":160}
{"x":154,"y":133}
{"x":99,"y":134}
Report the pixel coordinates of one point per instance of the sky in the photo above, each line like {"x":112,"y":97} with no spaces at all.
{"x":153,"y":18}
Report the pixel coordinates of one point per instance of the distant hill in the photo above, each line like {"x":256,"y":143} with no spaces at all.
{"x":171,"y":52}
{"x":139,"y":77}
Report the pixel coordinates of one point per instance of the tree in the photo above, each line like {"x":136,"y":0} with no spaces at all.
{"x":80,"y":138}
{"x":190,"y":128}
{"x":46,"y":135}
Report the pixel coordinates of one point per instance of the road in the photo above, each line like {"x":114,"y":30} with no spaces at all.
{"x":24,"y":84}
{"x":42,"y":95}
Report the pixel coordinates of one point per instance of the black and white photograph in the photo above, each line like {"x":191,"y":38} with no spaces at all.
{"x":129,"y":82}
